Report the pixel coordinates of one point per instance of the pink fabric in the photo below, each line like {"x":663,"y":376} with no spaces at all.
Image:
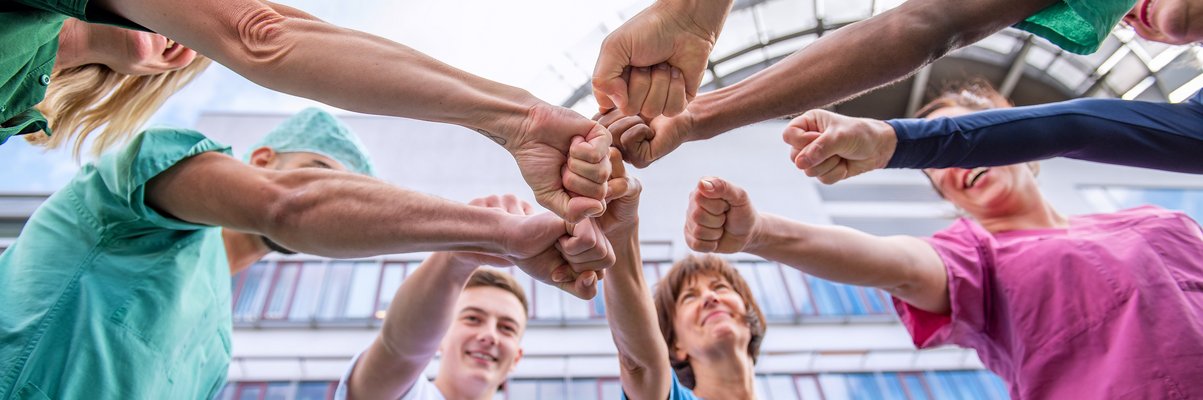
{"x":1110,"y":308}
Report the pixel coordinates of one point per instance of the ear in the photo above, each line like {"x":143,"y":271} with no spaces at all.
{"x":517,"y":359}
{"x":263,"y":157}
{"x":678,"y":353}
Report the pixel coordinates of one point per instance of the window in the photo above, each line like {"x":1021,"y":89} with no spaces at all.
{"x":1112,"y":198}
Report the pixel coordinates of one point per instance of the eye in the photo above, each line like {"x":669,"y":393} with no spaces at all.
{"x":472,"y":319}
{"x":509,"y":329}
{"x":721,"y":286}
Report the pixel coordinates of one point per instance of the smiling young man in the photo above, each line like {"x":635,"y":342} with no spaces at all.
{"x":473,"y":316}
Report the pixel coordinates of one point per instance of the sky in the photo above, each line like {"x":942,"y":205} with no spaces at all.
{"x":524,"y":43}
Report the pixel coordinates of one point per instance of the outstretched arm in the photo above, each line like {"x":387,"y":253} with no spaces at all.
{"x":841,"y":64}
{"x":396,"y":359}
{"x":288,"y":50}
{"x":721,"y":219}
{"x":336,"y":214}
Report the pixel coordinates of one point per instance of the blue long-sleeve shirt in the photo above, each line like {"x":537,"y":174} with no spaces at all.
{"x":1134,"y":133}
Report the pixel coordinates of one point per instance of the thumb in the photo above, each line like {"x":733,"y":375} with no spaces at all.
{"x":609,"y":87}
{"x":717,"y":188}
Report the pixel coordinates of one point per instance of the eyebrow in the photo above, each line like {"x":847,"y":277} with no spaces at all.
{"x":321,"y":164}
{"x":482,"y":311}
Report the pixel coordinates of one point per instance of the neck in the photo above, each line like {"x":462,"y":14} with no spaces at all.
{"x":242,"y":249}
{"x":1039,"y":215}
{"x":724,"y":376}
{"x":463,"y":391}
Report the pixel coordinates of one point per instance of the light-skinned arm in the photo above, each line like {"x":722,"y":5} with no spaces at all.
{"x":841,"y":64}
{"x":337,"y":214}
{"x":396,"y":359}
{"x":722,"y":219}
{"x":290,"y":51}
{"x":642,"y":354}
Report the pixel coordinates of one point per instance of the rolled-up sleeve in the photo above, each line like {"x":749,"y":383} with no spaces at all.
{"x":966,"y":258}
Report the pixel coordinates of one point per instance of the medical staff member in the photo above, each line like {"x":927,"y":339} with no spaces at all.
{"x":1097,"y":306}
{"x":560,"y":153}
{"x":118,"y":286}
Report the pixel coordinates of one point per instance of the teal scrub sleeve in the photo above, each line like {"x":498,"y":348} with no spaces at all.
{"x":126,"y":172}
{"x":80,"y":10}
{"x":1078,"y":26}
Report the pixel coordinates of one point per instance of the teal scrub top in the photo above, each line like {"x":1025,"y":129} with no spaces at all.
{"x":105,"y":298}
{"x":1078,"y":26}
{"x":28,"y":47}
{"x":676,"y":391}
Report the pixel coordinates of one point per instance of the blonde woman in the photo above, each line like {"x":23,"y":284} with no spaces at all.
{"x":84,"y":78}
{"x":286,"y":49}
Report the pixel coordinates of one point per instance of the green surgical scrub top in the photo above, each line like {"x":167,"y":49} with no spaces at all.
{"x":28,"y":45}
{"x":105,"y":298}
{"x":1078,"y":26}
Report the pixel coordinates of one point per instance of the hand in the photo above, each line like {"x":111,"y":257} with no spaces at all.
{"x":562,"y":156}
{"x":622,"y":209}
{"x":530,"y":244}
{"x":641,"y":143}
{"x":720,"y":218}
{"x":663,"y":33}
{"x":834,"y":147}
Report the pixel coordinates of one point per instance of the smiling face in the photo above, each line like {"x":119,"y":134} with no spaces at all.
{"x":985,"y":192}
{"x":710,"y":315}
{"x":1168,"y":21}
{"x":481,"y":347}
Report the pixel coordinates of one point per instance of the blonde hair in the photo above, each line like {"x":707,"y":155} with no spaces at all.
{"x":87,"y":98}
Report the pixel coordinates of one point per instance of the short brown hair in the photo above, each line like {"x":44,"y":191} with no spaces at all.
{"x":666,"y":304}
{"x":495,"y":278}
{"x":974,"y":94}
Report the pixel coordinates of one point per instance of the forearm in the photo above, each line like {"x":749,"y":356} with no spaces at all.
{"x":643,"y":356}
{"x":399,"y":355}
{"x":854,"y":59}
{"x":343,"y":215}
{"x":1133,"y":133}
{"x":708,"y":15}
{"x":341,"y":67}
{"x":905,"y":266}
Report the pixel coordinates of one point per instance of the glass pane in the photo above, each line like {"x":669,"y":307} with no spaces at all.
{"x":852,"y":298}
{"x":250,"y":391}
{"x":521,"y":390}
{"x":552,"y":389}
{"x":864,"y":386}
{"x":891,"y":387}
{"x":308,"y":292}
{"x":827,"y":296}
{"x":547,"y":302}
{"x":334,"y":293}
{"x":575,"y":308}
{"x":877,"y":301}
{"x":651,"y":274}
{"x":775,"y":293}
{"x":278,"y":391}
{"x":227,"y":392}
{"x":598,"y":303}
{"x":611,"y":389}
{"x":915,"y":387}
{"x":808,"y":388}
{"x":250,"y":296}
{"x":364,"y":283}
{"x":281,"y":290}
{"x":834,"y":386}
{"x":781,"y":388}
{"x":799,"y":290}
{"x":584,"y":389}
{"x":313,"y":390}
{"x":393,"y":273}
{"x":993,"y":385}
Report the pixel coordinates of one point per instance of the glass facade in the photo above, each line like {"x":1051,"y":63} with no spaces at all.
{"x":1112,"y":198}
{"x":330,"y":292}
{"x":923,"y":385}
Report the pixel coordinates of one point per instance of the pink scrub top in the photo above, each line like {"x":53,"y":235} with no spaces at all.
{"x":1110,"y":308}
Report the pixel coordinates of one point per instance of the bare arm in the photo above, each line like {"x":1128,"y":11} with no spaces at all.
{"x":904,"y":266}
{"x":326,"y":212}
{"x":642,"y":353}
{"x":396,"y":359}
{"x":856,"y":58}
{"x":721,"y":219}
{"x":290,"y":51}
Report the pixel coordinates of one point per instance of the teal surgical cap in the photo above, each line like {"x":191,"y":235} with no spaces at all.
{"x":316,"y":131}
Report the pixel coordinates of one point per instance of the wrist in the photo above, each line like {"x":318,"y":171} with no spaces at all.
{"x":761,"y":234}
{"x":706,"y":16}
{"x":887,"y":141}
{"x":509,"y":117}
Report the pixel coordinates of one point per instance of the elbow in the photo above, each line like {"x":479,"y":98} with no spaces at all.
{"x":286,"y":204}
{"x":261,"y":38}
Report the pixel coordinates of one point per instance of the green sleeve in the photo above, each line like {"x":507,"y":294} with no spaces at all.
{"x":1078,"y":26}
{"x":125,"y":173}
{"x":80,"y":10}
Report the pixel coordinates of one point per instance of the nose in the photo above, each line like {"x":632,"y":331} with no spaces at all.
{"x":709,"y":299}
{"x":487,"y":336}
